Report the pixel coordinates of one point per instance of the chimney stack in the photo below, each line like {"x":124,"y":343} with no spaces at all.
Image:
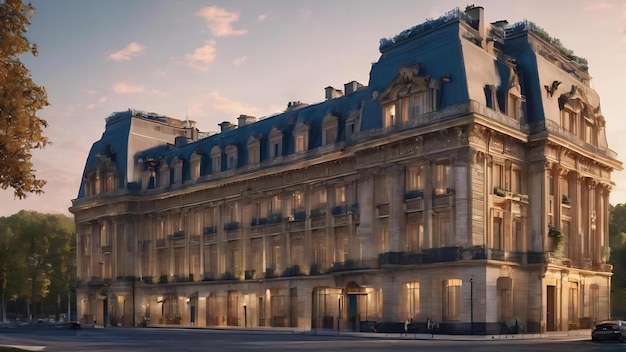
{"x":332,"y":93}
{"x":243,"y":120}
{"x":226,"y":126}
{"x":352,"y":87}
{"x":477,"y":13}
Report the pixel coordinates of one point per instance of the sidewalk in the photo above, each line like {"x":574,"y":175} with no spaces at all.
{"x":583,"y":334}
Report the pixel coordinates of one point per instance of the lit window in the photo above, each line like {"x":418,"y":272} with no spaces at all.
{"x":389,"y":116}
{"x":414,"y":178}
{"x":442,"y":177}
{"x":413,"y":299}
{"x":451,"y":300}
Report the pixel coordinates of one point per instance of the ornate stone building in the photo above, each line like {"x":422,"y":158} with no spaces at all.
{"x":468,"y":183}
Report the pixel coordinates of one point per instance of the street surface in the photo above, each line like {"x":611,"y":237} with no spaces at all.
{"x":192,"y":340}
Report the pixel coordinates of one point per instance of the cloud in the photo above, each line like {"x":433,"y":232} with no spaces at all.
{"x":262,"y":17}
{"x":102,"y":99}
{"x":202,"y":56}
{"x":159,"y":93}
{"x":90,"y":91}
{"x":90,"y":107}
{"x":599,"y":6}
{"x":220,"y":21}
{"x":132,"y":49}
{"x":226,"y":105}
{"x":239,"y":61}
{"x":125,"y":88}
{"x":623,"y":31}
{"x":306,"y":14}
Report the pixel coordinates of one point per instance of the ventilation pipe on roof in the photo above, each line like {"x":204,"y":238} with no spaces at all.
{"x":332,"y":93}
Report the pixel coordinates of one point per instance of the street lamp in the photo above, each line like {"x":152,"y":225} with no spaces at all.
{"x":471,"y":305}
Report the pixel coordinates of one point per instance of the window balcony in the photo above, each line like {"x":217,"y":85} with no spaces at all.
{"x":418,"y":193}
{"x":233,"y":225}
{"x":210,"y":230}
{"x":339,"y":210}
{"x":275,"y":218}
{"x":107,"y":249}
{"x":258,"y":221}
{"x":299,"y":215}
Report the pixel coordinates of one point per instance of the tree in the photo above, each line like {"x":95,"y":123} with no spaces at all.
{"x":617,"y":241}
{"x":21,"y":130}
{"x":40,"y":256}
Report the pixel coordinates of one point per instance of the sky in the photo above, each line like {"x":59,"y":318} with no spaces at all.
{"x":211,"y":61}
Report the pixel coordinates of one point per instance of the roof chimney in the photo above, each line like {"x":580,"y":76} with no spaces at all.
{"x":478,"y":21}
{"x":332,"y":93}
{"x":226,"y":126}
{"x":293,"y":105}
{"x":352,"y":87}
{"x":243,"y":120}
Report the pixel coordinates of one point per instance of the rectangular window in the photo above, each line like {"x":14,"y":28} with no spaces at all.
{"x":594,"y":301}
{"x":300,"y":143}
{"x":413,"y":178}
{"x":451,"y":300}
{"x":414,"y":232}
{"x":506,"y":304}
{"x":277,"y":259}
{"x":498,"y":175}
{"x":330,"y":135}
{"x":233,"y":212}
{"x":298,"y":200}
{"x":318,"y":252}
{"x":389,"y":115}
{"x":498,"y":239}
{"x":340,"y":194}
{"x":342,"y":249}
{"x":384,"y":235}
{"x":318,"y":200}
{"x":442,"y":177}
{"x":210,"y":261}
{"x":195,"y":169}
{"x":232,"y":162}
{"x":275,"y":205}
{"x":217,"y":164}
{"x":253,"y":157}
{"x":276,"y":150}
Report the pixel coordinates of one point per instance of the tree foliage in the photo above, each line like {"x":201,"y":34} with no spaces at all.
{"x":617,"y":241}
{"x":21,"y":130}
{"x":37,"y":256}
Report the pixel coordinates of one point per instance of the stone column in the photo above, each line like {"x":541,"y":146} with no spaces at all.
{"x":367,"y":210}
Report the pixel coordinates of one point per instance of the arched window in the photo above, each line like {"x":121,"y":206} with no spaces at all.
{"x":275,"y":143}
{"x":254,"y":151}
{"x":194,"y":165}
{"x":329,"y":128}
{"x":301,"y":137}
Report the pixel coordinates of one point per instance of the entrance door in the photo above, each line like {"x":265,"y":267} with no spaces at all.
{"x":352,"y":311}
{"x":551,"y":308}
{"x":105,"y":312}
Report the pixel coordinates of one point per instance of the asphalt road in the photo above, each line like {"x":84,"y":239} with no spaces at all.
{"x":192,"y":340}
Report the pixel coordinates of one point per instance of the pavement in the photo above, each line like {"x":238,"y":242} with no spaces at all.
{"x":572,"y":335}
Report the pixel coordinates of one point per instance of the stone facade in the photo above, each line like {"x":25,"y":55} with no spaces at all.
{"x":455,"y":188}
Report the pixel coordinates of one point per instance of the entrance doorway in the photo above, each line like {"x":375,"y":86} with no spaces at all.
{"x":551,"y":308}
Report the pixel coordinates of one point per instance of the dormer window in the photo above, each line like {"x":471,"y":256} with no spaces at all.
{"x":329,"y":126}
{"x":194,"y":161}
{"x":164,"y":175}
{"x":301,"y":135}
{"x":216,"y":159}
{"x":254,"y":151}
{"x":177,"y":166}
{"x":231,"y":157}
{"x":410,"y":95}
{"x":389,"y":118}
{"x":276,"y":143}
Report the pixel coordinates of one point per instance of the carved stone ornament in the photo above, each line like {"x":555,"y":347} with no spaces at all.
{"x":407,"y":82}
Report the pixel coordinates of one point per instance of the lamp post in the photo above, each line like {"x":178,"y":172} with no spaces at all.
{"x":471,"y":305}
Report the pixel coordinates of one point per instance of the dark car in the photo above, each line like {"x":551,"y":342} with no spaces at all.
{"x":609,"y":330}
